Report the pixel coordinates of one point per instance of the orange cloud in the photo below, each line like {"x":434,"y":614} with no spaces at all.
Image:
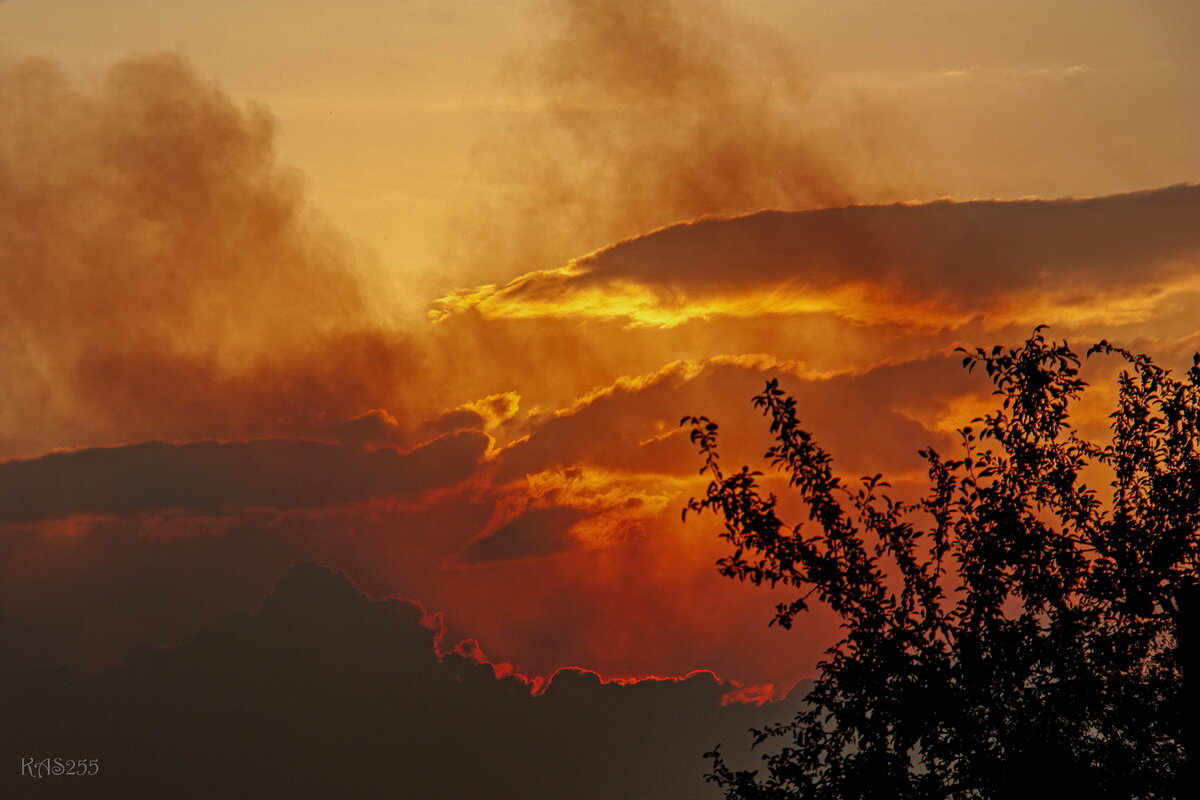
{"x":1101,"y":260}
{"x":632,"y":424}
{"x":641,"y":113}
{"x":518,"y":464}
{"x":161,"y":275}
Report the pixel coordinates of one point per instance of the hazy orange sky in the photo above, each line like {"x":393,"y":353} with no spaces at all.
{"x":396,"y":110}
{"x":421,"y":290}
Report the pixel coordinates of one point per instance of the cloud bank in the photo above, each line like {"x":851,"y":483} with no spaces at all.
{"x":936,"y":265}
{"x":211,"y":476}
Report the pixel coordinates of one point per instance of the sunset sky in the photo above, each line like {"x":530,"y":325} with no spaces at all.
{"x":419,"y":291}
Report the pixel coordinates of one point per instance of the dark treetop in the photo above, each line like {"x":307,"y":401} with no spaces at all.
{"x":1015,"y":632}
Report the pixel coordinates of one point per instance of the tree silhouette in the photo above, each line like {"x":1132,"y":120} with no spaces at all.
{"x":1014,"y":633}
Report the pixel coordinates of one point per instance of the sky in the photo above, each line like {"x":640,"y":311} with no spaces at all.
{"x":419,"y":292}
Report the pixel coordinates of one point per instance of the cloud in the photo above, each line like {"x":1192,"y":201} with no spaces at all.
{"x":78,"y":592}
{"x":934,"y":265}
{"x":635,"y":593}
{"x":639,"y":113}
{"x":211,"y":476}
{"x":628,"y":590}
{"x":163,"y":276}
{"x":632,"y":425}
{"x":536,"y":532}
{"x":375,"y":426}
{"x":325,"y":691}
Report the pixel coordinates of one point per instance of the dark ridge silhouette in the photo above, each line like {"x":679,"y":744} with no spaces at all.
{"x":328,"y":693}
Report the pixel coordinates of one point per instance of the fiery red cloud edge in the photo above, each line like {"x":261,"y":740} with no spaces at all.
{"x":513,"y":462}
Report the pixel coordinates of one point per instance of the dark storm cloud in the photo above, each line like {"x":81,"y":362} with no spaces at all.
{"x":275,"y":473}
{"x":536,"y":532}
